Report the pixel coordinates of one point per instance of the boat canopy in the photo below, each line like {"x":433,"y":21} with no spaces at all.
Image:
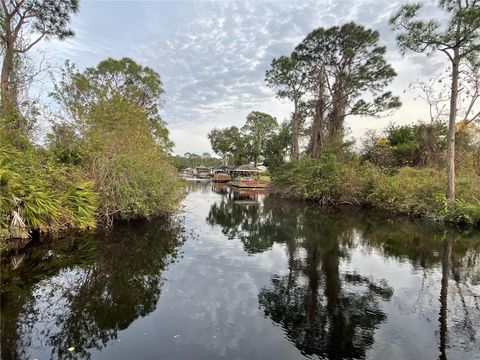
{"x":221,"y":168}
{"x":247,"y":168}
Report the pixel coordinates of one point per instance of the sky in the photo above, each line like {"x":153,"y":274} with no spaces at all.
{"x":212,"y":55}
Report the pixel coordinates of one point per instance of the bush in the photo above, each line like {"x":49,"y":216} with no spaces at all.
{"x":417,"y":192}
{"x":108,"y":161}
{"x":312,"y":179}
{"x":133,"y":176}
{"x":406,"y":145}
{"x":34,"y":194}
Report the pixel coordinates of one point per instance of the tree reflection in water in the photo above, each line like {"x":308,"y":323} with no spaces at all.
{"x":322,"y":310}
{"x":82,"y":291}
{"x":89,"y":290}
{"x":333,"y":313}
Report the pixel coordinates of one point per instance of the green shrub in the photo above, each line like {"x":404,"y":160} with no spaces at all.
{"x":35,"y":195}
{"x":417,"y":192}
{"x":133,"y":176}
{"x":312,"y":179}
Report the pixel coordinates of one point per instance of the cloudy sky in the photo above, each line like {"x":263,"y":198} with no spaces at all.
{"x":212,"y":55}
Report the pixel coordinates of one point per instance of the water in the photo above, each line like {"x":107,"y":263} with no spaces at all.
{"x":242,"y":275}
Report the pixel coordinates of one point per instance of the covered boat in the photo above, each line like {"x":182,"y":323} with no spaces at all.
{"x":221,"y":174}
{"x":202,"y":172}
{"x":248,"y":176}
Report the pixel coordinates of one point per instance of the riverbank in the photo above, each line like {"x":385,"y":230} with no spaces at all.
{"x":418,"y":192}
{"x":43,"y":197}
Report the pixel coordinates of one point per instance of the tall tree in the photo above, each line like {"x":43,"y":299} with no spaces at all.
{"x":258,"y":129}
{"x":348,"y":74}
{"x":33,"y":20}
{"x":289,"y":77}
{"x":459,"y":40}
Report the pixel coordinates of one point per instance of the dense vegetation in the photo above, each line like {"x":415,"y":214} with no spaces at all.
{"x":347,"y":179}
{"x":402,"y":169}
{"x":109,"y":161}
{"x":107,"y":156}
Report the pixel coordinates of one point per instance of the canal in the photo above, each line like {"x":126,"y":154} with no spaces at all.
{"x":244,"y":275}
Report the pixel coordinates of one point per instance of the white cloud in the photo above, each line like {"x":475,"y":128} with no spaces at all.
{"x":212,"y":56}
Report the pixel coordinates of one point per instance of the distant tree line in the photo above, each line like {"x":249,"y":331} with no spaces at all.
{"x":192,"y":160}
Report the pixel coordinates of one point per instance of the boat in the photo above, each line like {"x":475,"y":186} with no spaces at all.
{"x":187,"y":173}
{"x":250,"y":184}
{"x":221,"y":174}
{"x":248,"y":176}
{"x":202,"y":173}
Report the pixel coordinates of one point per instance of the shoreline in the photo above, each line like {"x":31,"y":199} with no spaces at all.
{"x":287,"y":192}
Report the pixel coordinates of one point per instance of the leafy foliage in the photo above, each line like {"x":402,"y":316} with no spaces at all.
{"x":278,"y":146}
{"x":133,"y":176}
{"x":407,"y":145}
{"x":257,"y":131}
{"x":248,"y":143}
{"x":124,"y":78}
{"x":229,"y":144}
{"x":313,"y":179}
{"x":36,"y":194}
{"x":105,"y":163}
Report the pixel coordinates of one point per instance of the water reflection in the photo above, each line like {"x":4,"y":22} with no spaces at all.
{"x":84,"y":291}
{"x":220,"y":188}
{"x":263,"y":278}
{"x":333,"y":312}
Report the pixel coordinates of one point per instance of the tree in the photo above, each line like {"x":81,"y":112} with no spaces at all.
{"x":459,"y":40}
{"x":228,"y":143}
{"x":33,"y":20}
{"x":132,"y":82}
{"x":220,"y":143}
{"x":435,"y":92}
{"x":348,"y":74}
{"x":277,"y":146}
{"x":258,"y":129}
{"x":289,"y":77}
{"x":111,"y":108}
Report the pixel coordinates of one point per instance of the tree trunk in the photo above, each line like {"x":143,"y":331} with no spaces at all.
{"x":337,"y":115}
{"x":318,"y":125}
{"x":295,"y":126}
{"x":5,"y":77}
{"x":451,"y":131}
